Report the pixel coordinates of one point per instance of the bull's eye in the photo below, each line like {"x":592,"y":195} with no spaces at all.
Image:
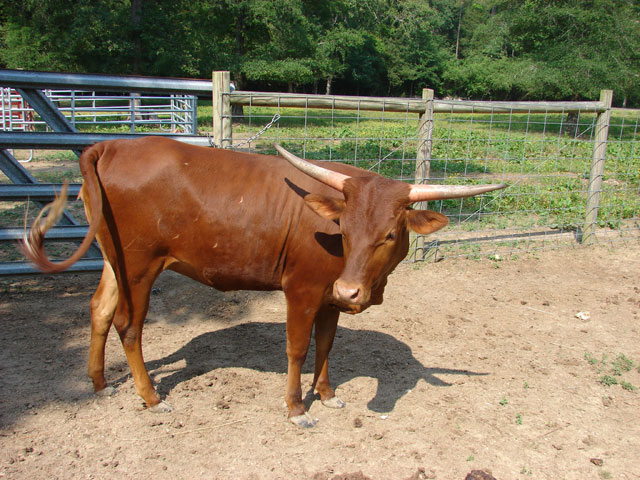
{"x":391,"y":236}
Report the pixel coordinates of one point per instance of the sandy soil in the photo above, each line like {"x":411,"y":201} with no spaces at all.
{"x":467,"y":365}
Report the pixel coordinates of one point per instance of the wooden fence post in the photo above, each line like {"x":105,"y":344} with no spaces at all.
{"x":423,"y":156}
{"x":425,"y":134}
{"x":597,"y":169}
{"x":221,"y":102}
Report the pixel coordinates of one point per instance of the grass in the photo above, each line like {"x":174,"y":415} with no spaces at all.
{"x":627,"y":386}
{"x":547,"y":171}
{"x":613,"y":372}
{"x":608,"y":380}
{"x":622,"y":364}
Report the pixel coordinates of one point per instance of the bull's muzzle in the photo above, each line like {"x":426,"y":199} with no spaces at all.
{"x":350,"y":293}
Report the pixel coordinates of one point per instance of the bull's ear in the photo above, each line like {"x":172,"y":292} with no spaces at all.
{"x":426,"y":221}
{"x":327,"y":207}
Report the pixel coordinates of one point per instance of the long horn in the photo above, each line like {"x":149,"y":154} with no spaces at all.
{"x":425,"y":193}
{"x":328,"y":177}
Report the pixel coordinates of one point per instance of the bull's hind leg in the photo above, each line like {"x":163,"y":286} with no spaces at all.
{"x":103,"y":306}
{"x":131,"y":310}
{"x":325,"y":331}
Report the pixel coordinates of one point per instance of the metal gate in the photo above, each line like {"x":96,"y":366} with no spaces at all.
{"x":65,"y":136}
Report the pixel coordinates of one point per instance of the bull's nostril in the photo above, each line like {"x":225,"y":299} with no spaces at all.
{"x":346,"y":292}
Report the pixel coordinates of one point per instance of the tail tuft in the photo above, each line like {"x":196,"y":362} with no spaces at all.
{"x":32,"y":244}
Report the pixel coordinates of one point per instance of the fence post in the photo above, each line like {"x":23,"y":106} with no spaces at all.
{"x":425,"y":133}
{"x":221,"y":108}
{"x":423,"y":156}
{"x":597,"y":169}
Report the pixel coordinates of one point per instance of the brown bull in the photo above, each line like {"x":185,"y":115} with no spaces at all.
{"x":327,"y":234}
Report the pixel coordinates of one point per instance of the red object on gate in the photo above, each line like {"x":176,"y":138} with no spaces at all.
{"x":15,"y":113}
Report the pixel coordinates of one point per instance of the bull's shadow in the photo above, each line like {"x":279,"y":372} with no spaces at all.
{"x":356,"y":353}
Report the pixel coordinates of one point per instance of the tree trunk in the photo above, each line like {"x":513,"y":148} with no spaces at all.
{"x":237,"y":111}
{"x":570,"y":126}
{"x":458,"y":34}
{"x":136,"y":35}
{"x":240,"y":21}
{"x":329,"y":83}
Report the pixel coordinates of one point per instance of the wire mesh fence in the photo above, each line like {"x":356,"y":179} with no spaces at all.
{"x":572,"y":168}
{"x":544,"y":152}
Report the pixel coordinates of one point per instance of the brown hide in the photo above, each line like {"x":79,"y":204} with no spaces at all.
{"x":233,"y":220}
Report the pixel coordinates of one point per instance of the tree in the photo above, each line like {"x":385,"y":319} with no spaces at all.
{"x":414,"y":53}
{"x":501,"y":49}
{"x":272,"y":42}
{"x":32,"y":30}
{"x":557,"y":49}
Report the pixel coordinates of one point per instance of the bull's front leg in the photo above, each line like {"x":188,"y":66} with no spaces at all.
{"x":300,"y":318}
{"x":326,"y":324}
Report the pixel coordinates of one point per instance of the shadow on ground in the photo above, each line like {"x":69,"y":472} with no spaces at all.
{"x":261,"y":346}
{"x":45,"y":341}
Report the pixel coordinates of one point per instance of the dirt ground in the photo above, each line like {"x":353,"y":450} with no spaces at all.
{"x":467,"y":365}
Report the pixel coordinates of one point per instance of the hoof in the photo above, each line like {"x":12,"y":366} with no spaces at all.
{"x":334,"y":402}
{"x":106,"y":392}
{"x":162,"y":407}
{"x":304,"y":421}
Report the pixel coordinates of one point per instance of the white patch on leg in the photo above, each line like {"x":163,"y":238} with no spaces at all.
{"x":162,"y":407}
{"x":334,"y":402}
{"x":304,"y":421}
{"x":106,"y":392}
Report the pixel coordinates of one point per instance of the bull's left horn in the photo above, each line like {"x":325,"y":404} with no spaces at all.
{"x":328,"y":177}
{"x":425,"y":193}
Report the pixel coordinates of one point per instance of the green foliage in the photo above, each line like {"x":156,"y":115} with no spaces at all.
{"x":627,"y":386}
{"x":622,"y":364}
{"x":608,"y":380}
{"x":554,"y":50}
{"x":499,"y":49}
{"x":613,"y":372}
{"x":590,"y":358}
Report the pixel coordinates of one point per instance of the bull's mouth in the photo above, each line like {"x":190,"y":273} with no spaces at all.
{"x":353,"y":308}
{"x":350,"y":309}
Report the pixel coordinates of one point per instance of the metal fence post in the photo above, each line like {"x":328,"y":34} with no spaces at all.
{"x":423,"y":156}
{"x":221,"y":86}
{"x":194,"y":116}
{"x":597,"y":168}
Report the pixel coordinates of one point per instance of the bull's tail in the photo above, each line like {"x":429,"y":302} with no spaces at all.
{"x":32,"y":244}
